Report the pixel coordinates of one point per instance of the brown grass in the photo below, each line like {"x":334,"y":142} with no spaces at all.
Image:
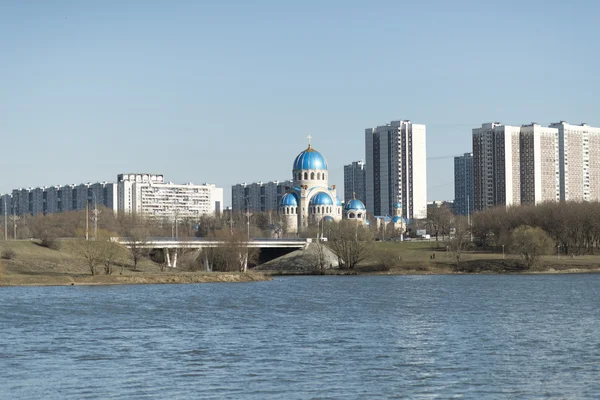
{"x":37,"y":265}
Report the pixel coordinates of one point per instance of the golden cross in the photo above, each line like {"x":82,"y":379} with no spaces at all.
{"x":309,"y":137}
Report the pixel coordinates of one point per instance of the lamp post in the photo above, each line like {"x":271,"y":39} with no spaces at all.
{"x":503,"y":252}
{"x":5,"y":221}
{"x":248,"y":215}
{"x":95,"y":213}
{"x":558,"y":251}
{"x":14,"y":218}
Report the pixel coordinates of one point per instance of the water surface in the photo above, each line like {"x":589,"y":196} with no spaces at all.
{"x":418,"y":337}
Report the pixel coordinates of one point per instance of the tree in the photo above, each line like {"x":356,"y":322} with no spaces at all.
{"x":233,"y":254}
{"x":351,"y":242}
{"x":138,"y":240}
{"x":529,"y":243}
{"x":461,"y":241}
{"x":439,"y":220}
{"x":90,"y":251}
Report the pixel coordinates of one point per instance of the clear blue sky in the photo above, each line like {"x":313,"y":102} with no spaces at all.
{"x":226,"y":91}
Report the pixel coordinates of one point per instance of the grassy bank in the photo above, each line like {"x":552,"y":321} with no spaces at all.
{"x":31,"y":264}
{"x":431,"y":257}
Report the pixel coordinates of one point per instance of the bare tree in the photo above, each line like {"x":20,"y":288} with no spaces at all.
{"x":90,"y":251}
{"x":234,"y":254}
{"x":138,"y":241}
{"x":351,"y":242}
{"x":461,"y":241}
{"x":439,"y":220}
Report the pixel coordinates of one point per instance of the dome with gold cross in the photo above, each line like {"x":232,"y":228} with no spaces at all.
{"x":310,"y":159}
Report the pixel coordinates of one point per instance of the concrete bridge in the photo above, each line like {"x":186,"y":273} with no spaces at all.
{"x":270,"y":248}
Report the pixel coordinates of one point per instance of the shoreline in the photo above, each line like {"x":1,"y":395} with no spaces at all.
{"x":146,"y":279}
{"x":13,"y":280}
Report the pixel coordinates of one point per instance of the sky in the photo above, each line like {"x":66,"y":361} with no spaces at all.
{"x":226,"y":92}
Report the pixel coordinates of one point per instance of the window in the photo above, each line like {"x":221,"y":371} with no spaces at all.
{"x":306,"y":175}
{"x":312,"y":175}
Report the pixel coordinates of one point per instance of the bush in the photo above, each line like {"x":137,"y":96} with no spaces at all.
{"x":50,"y":243}
{"x":8,"y":254}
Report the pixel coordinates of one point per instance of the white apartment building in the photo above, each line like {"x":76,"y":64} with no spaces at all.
{"x":149,"y":195}
{"x":396,"y":169}
{"x":579,"y":154}
{"x":540,"y":172}
{"x":258,"y":196}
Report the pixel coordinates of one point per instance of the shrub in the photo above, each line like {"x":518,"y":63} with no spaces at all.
{"x":51,"y":243}
{"x":8,"y":254}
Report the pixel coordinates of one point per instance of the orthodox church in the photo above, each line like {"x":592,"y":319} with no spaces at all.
{"x":311,"y":199}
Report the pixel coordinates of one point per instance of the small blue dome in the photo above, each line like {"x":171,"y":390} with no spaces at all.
{"x":328,"y":218}
{"x":398,"y":205}
{"x":289,"y":199}
{"x":355,"y":204}
{"x":310,"y":159}
{"x":396,"y":219}
{"x":338,"y":202}
{"x":321,"y":199}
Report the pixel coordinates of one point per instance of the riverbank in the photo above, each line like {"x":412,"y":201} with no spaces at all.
{"x":179,"y":278}
{"x":30,"y":264}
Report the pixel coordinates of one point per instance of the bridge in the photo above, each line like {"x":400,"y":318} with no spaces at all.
{"x":169,"y":245}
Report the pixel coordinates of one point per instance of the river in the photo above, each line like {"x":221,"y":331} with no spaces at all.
{"x":416,"y":337}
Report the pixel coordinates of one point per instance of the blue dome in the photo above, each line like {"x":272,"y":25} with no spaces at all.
{"x":355,"y":204}
{"x":338,"y":202}
{"x":321,"y":199}
{"x":328,"y":218}
{"x":398,"y":205}
{"x":289,"y":199}
{"x":310,"y":159}
{"x":398,"y":219}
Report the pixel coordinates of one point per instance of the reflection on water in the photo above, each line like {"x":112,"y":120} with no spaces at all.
{"x":476,"y":337}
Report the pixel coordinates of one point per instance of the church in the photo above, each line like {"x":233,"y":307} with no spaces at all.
{"x":311,"y":199}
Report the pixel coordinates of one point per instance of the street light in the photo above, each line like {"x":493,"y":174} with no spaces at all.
{"x":248,"y":215}
{"x":95,"y":213}
{"x":503,"y":252}
{"x":14,"y":218}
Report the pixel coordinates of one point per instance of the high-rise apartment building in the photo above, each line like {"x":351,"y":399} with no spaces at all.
{"x":579,"y":161}
{"x":258,"y":196}
{"x":496,"y":166}
{"x":396,"y":169}
{"x":463,"y":184}
{"x":355,"y":176}
{"x":540,"y":174}
{"x":515,"y":165}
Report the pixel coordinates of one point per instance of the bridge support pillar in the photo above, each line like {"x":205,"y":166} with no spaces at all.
{"x":167,"y":257}
{"x":207,"y":265}
{"x":175,"y":259}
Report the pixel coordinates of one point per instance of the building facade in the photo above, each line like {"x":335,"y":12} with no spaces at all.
{"x":540,"y":173}
{"x":396,"y":169}
{"x":527,"y":165}
{"x":144,"y":194}
{"x":496,"y":166}
{"x":463,"y":184}
{"x":258,"y":196}
{"x":579,"y":161}
{"x":355,"y":176}
{"x":151,"y":196}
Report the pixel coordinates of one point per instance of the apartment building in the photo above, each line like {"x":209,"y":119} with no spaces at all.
{"x":463,"y":184}
{"x":496,"y":166}
{"x":540,"y":172}
{"x":396,"y":172}
{"x":149,"y":195}
{"x":355,"y":176}
{"x":579,"y":161}
{"x":258,"y":196}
